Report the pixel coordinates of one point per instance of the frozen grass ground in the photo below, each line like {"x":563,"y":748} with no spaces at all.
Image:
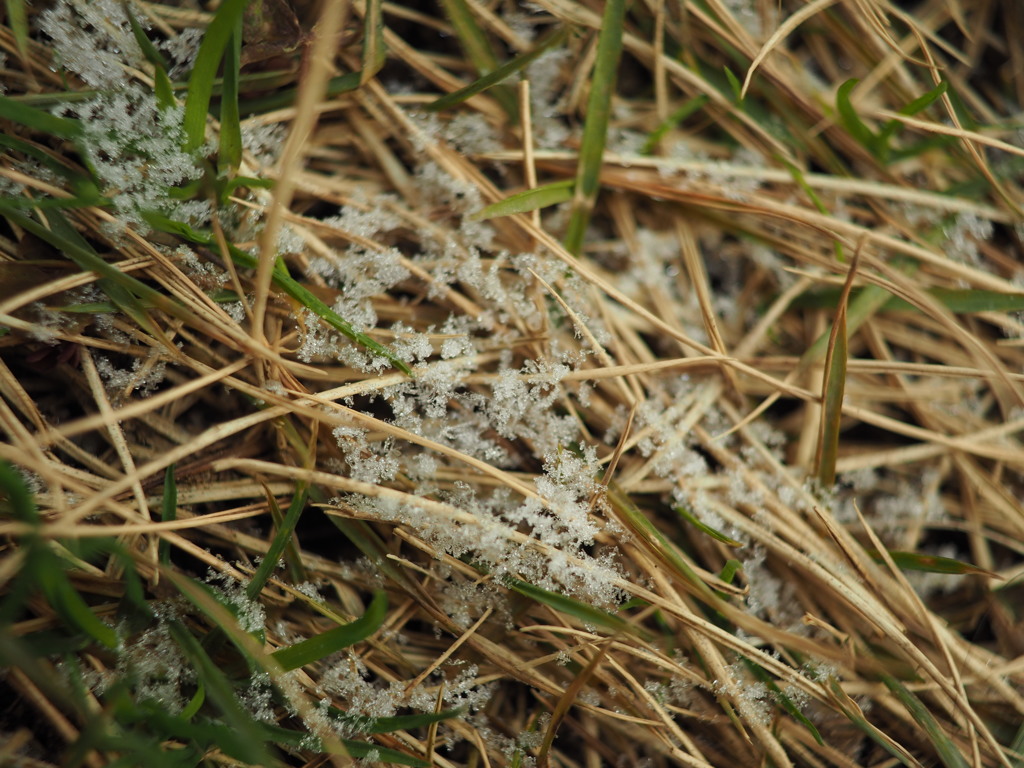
{"x":654,"y":401}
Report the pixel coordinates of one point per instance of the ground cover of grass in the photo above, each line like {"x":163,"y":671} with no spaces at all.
{"x":483,"y":383}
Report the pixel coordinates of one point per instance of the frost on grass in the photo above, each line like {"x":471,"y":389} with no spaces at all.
{"x":135,"y":149}
{"x":93,"y":39}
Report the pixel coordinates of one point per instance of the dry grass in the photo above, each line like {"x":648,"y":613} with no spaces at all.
{"x":678,"y":349}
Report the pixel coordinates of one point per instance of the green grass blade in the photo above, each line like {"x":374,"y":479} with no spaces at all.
{"x":474,"y":42}
{"x":17,"y":20}
{"x":283,"y":281}
{"x":162,"y":83}
{"x":229,"y":155}
{"x":948,"y":752}
{"x":200,"y":83}
{"x":595,"y":128}
{"x":922,"y":103}
{"x":285,"y":97}
{"x":75,"y":247}
{"x":892,"y":127}
{"x":851,"y":120}
{"x":833,"y":387}
{"x":787,"y":703}
{"x":168,"y":510}
{"x":334,"y":640}
{"x":37,"y":119}
{"x":375,"y":52}
{"x":689,"y":107}
{"x":729,"y":571}
{"x":849,"y":708}
{"x":500,"y":74}
{"x":67,"y":602}
{"x":529,"y":200}
{"x":704,"y":528}
{"x":915,"y":561}
{"x":277,"y":546}
{"x":15,"y":498}
{"x":368,"y":542}
{"x":588,"y":614}
{"x":251,"y":746}
{"x":734,"y":84}
{"x":638,"y":522}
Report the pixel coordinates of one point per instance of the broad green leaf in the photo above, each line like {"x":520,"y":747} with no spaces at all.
{"x":595,"y":127}
{"x":704,"y":528}
{"x":208,"y":58}
{"x":500,"y":74}
{"x":333,"y":640}
{"x":530,"y":200}
{"x":588,"y":614}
